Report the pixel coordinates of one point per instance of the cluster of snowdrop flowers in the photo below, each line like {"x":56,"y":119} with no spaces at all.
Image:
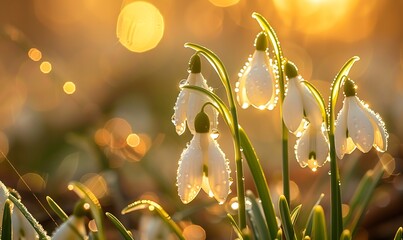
{"x":357,"y":126}
{"x":257,"y":84}
{"x":202,"y":164}
{"x":303,"y":117}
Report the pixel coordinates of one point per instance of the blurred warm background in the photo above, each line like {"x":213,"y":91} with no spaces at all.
{"x":77,"y":104}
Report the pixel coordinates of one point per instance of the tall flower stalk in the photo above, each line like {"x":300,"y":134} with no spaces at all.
{"x":281,"y":82}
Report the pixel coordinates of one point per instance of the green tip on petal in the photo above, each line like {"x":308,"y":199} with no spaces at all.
{"x":261,"y":42}
{"x":202,"y":123}
{"x":195,"y":64}
{"x":349,"y":88}
{"x":291,"y":70}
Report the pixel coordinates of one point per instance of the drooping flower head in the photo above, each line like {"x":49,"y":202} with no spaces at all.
{"x":189,"y":103}
{"x":312,"y":148}
{"x":357,"y":126}
{"x":299,"y":104}
{"x":257,"y":81}
{"x":203,"y":165}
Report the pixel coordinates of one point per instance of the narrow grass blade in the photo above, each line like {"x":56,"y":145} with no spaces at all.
{"x":95,"y":207}
{"x":235,"y":227}
{"x":399,"y":234}
{"x":260,"y":182}
{"x":57,"y":209}
{"x":308,"y":227}
{"x":119,"y":226}
{"x":286,"y":221}
{"x":38,"y":228}
{"x":6,"y":229}
{"x":153,"y":206}
{"x":318,"y":224}
{"x":361,"y":198}
{"x":257,"y":218}
{"x":295,"y":213}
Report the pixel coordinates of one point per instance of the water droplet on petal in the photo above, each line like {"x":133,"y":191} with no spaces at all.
{"x":183,"y":83}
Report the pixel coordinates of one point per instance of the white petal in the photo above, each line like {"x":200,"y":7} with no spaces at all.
{"x":21,"y":224}
{"x":302,"y":148}
{"x":340,"y":135}
{"x":4,"y":193}
{"x":241,"y":90}
{"x":218,"y":172}
{"x":179,"y":117}
{"x":206,"y":186}
{"x":293,"y":111}
{"x":380,"y":134}
{"x":190,"y":171}
{"x":259,"y":82}
{"x":66,"y":231}
{"x":311,"y":106}
{"x":322,"y":147}
{"x":359,"y":126}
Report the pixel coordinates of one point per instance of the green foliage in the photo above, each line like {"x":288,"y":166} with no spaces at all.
{"x":6,"y":229}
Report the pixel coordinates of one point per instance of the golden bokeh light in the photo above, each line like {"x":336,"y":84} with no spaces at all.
{"x":34,"y":54}
{"x":224,"y":3}
{"x":133,"y":140}
{"x":96,"y":183}
{"x":46,"y":67}
{"x":118,"y":129}
{"x":102,"y":137}
{"x":69,"y":87}
{"x":4,"y":145}
{"x":35,"y":182}
{"x":140,"y":26}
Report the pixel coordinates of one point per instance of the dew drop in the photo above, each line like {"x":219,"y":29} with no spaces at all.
{"x":215,"y":134}
{"x":183,"y":83}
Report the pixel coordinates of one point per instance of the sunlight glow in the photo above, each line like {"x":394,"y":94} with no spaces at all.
{"x":34,"y":54}
{"x":69,"y":88}
{"x":45,"y":67}
{"x":133,"y":140}
{"x":140,"y":26}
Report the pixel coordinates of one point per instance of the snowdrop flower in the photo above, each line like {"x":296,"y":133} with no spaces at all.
{"x":257,"y":82}
{"x":312,"y":149}
{"x":203,"y":165}
{"x":299,"y":103}
{"x":73,"y":227}
{"x":357,"y":126}
{"x":189,"y":103}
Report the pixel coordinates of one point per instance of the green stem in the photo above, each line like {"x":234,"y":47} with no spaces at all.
{"x":281,"y":80}
{"x":221,"y":71}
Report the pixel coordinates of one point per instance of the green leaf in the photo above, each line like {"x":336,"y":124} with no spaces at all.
{"x":6,"y":229}
{"x":259,"y":179}
{"x":318,"y":224}
{"x":286,"y":221}
{"x":256,"y":218}
{"x":155,"y":207}
{"x":360,"y":200}
{"x":308,"y":227}
{"x":121,"y":228}
{"x":295,"y":213}
{"x":345,"y":235}
{"x":95,"y":207}
{"x":399,"y":234}
{"x":38,"y":228}
{"x":57,"y":209}
{"x":235,"y":227}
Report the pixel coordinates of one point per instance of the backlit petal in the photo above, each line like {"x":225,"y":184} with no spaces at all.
{"x":190,"y":171}
{"x":359,"y":127}
{"x":293,"y":111}
{"x":340,"y":134}
{"x":302,"y":148}
{"x":179,"y":117}
{"x":380,"y":134}
{"x":70,"y":229}
{"x":322,"y":147}
{"x":218,"y":173}
{"x":311,"y":106}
